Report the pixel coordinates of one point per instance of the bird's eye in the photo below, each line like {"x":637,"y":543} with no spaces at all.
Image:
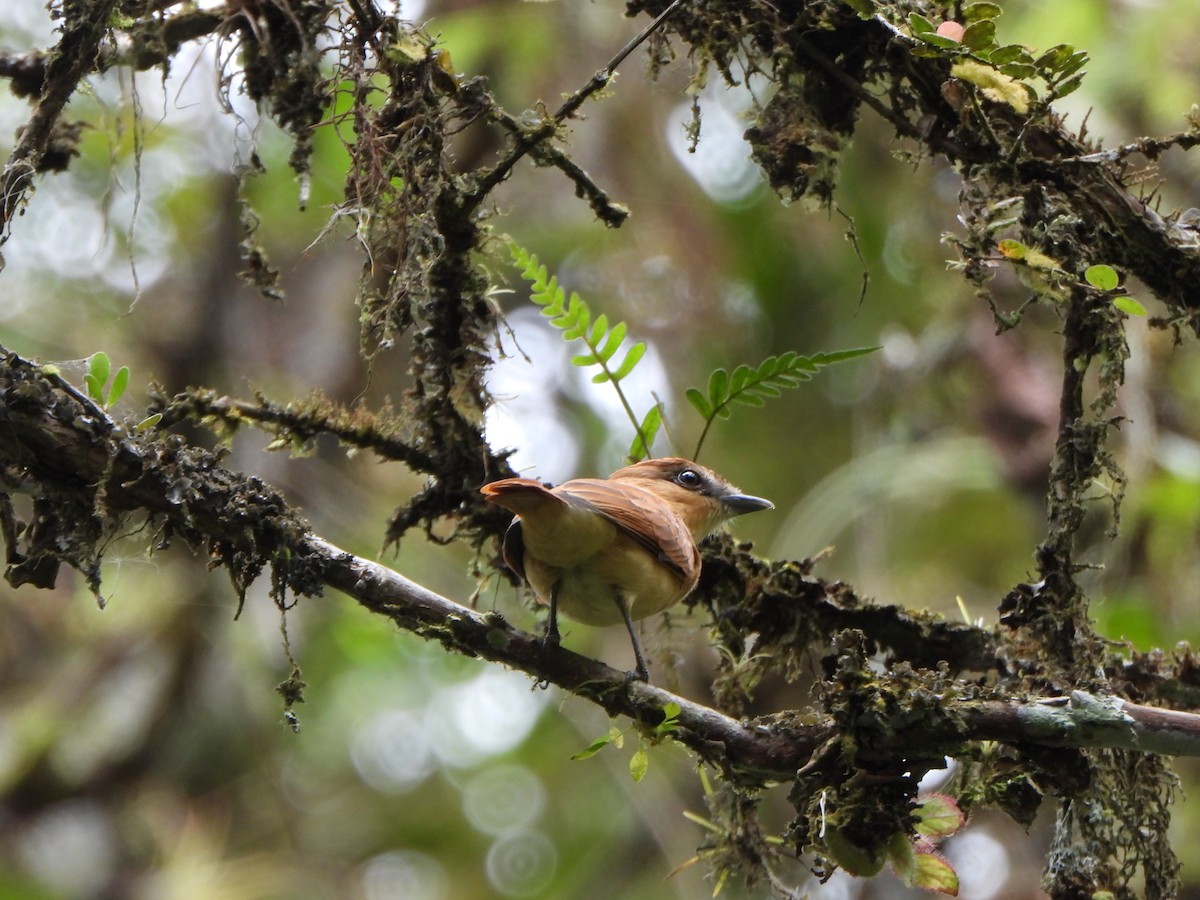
{"x":689,"y":478}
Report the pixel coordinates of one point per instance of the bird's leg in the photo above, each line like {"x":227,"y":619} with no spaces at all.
{"x":551,"y":638}
{"x":641,"y":671}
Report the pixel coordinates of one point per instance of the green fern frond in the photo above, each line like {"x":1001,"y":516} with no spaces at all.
{"x":572,"y":316}
{"x":753,"y":386}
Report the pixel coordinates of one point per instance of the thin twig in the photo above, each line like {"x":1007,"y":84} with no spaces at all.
{"x":1151,"y":148}
{"x":611,"y":214}
{"x":530,"y":138}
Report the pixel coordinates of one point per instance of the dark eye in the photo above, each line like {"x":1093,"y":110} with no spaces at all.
{"x":689,"y":479}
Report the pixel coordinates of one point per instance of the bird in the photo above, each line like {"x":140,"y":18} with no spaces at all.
{"x":607,"y":551}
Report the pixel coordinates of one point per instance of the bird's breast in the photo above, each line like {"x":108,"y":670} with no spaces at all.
{"x":590,"y":591}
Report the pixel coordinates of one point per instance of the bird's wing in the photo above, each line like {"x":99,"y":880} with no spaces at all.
{"x":518,"y":495}
{"x":640,"y":514}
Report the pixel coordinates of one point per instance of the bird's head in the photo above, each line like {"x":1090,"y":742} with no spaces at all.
{"x":701,"y":497}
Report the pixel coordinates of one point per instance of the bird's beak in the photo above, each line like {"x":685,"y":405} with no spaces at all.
{"x":740,"y":504}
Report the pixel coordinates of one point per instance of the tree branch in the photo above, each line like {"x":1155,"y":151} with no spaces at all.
{"x":72,"y":59}
{"x":58,"y":445}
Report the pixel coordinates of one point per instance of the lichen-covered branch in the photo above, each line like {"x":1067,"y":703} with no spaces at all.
{"x":298,"y":423}
{"x":55,"y":444}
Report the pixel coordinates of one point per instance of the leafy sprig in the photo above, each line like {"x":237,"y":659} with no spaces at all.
{"x":571,"y":315}
{"x":106,"y":395}
{"x":96,"y":380}
{"x":1012,"y":65}
{"x":749,"y":386}
{"x":639,"y":763}
{"x":754,"y":386}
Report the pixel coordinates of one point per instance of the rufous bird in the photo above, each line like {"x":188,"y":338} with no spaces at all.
{"x":614,"y":550}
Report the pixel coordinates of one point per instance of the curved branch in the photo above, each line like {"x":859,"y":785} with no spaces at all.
{"x":768,"y":747}
{"x":56,"y":444}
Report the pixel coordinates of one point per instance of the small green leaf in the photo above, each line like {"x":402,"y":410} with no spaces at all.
{"x":1009,"y":53}
{"x":765,"y":389}
{"x":670,"y":720}
{"x":1073,"y":65}
{"x":636,"y":352}
{"x":600,"y":377}
{"x":1103,"y":277}
{"x":549,"y":293}
{"x":718,"y":388}
{"x":903,"y":857}
{"x":99,"y":367}
{"x":1011,"y":249}
{"x":584,"y":359}
{"x":647,"y":431}
{"x":612,"y":342}
{"x":699,"y":403}
{"x":1070,"y":86}
{"x":148,"y":422}
{"x":975,"y":12}
{"x":569,"y":332}
{"x":638,"y":764}
{"x":837,"y":356}
{"x":598,"y":744}
{"x":1129,"y":306}
{"x":1055,"y":57}
{"x":934,"y":873}
{"x":919,"y":24}
{"x":1018,"y":71}
{"x":95,"y":389}
{"x":863,"y":862}
{"x":979,"y":35}
{"x":598,"y":328}
{"x":120,"y":383}
{"x":938,"y":816}
{"x":937,"y":40}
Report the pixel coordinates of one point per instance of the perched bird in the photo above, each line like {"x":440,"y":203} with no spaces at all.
{"x":616,"y":549}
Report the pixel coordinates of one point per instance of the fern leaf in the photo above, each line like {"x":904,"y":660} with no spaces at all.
{"x":647,"y":431}
{"x":699,"y":403}
{"x":740,"y":377}
{"x":718,"y":388}
{"x":612,"y":342}
{"x":826,"y":359}
{"x":635,"y":353}
{"x":598,"y":328}
{"x":753,"y":386}
{"x":764,"y":389}
{"x":573,"y":318}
